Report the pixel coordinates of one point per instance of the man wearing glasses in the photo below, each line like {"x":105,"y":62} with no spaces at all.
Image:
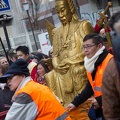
{"x":95,"y":62}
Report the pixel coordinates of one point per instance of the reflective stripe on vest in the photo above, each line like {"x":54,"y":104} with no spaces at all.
{"x":97,"y":88}
{"x":48,"y":107}
{"x":63,"y":116}
{"x":97,"y":83}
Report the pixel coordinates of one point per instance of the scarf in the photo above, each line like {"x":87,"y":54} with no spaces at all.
{"x":89,"y":63}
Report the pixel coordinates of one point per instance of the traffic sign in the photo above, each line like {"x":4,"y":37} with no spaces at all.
{"x":4,"y":5}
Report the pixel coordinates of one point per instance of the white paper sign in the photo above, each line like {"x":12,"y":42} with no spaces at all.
{"x":44,"y":42}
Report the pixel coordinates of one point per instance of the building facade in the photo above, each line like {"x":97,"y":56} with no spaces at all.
{"x":19,"y":30}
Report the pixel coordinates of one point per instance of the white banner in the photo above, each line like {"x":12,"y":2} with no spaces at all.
{"x":44,"y":42}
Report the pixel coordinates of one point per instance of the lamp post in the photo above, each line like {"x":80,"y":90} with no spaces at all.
{"x":77,"y":8}
{"x":26,"y":8}
{"x":4,"y":18}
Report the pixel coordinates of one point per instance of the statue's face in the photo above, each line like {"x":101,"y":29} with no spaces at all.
{"x":64,"y":13}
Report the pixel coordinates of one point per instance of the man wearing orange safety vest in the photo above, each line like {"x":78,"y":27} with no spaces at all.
{"x":31,"y":101}
{"x":95,"y":62}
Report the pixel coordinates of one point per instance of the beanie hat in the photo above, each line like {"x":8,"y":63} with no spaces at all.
{"x":19,"y":67}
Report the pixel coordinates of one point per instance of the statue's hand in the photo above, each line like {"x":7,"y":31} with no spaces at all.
{"x":62,"y":69}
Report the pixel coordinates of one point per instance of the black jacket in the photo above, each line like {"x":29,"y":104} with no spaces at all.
{"x":5,"y":99}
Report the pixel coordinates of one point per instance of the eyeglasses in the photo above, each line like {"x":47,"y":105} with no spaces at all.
{"x":10,"y":77}
{"x":88,"y":47}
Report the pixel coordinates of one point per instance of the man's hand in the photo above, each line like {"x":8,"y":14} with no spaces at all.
{"x":94,"y":102}
{"x":70,"y":107}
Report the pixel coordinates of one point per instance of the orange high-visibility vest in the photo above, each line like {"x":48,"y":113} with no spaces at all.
{"x":48,"y":106}
{"x":97,"y":82}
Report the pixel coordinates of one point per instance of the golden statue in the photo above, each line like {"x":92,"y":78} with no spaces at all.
{"x":68,"y":77}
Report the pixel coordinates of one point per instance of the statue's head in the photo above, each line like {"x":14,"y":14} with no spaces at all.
{"x":65,"y":10}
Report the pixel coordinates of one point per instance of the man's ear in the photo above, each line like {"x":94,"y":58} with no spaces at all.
{"x":27,"y":55}
{"x":23,"y":76}
{"x":100,"y":45}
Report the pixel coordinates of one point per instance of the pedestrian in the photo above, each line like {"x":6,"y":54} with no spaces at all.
{"x":95,"y":61}
{"x":3,"y":61}
{"x":42,"y":69}
{"x":23,"y":53}
{"x":111,"y":78}
{"x":31,"y":101}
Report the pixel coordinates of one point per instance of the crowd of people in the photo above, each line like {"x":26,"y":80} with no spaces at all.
{"x":37,"y":65}
{"x":23,"y":86}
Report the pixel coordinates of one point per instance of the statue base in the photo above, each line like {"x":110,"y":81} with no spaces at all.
{"x":81,"y":112}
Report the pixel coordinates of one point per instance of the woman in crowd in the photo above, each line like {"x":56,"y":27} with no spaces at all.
{"x":42,"y":69}
{"x":35,"y":59}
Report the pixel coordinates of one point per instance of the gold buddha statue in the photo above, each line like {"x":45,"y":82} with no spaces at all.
{"x":68,"y":77}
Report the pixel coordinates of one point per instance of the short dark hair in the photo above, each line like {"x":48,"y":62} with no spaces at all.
{"x":97,"y":39}
{"x":104,"y":39}
{"x":23,"y":49}
{"x":115,"y":18}
{"x":35,"y":57}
